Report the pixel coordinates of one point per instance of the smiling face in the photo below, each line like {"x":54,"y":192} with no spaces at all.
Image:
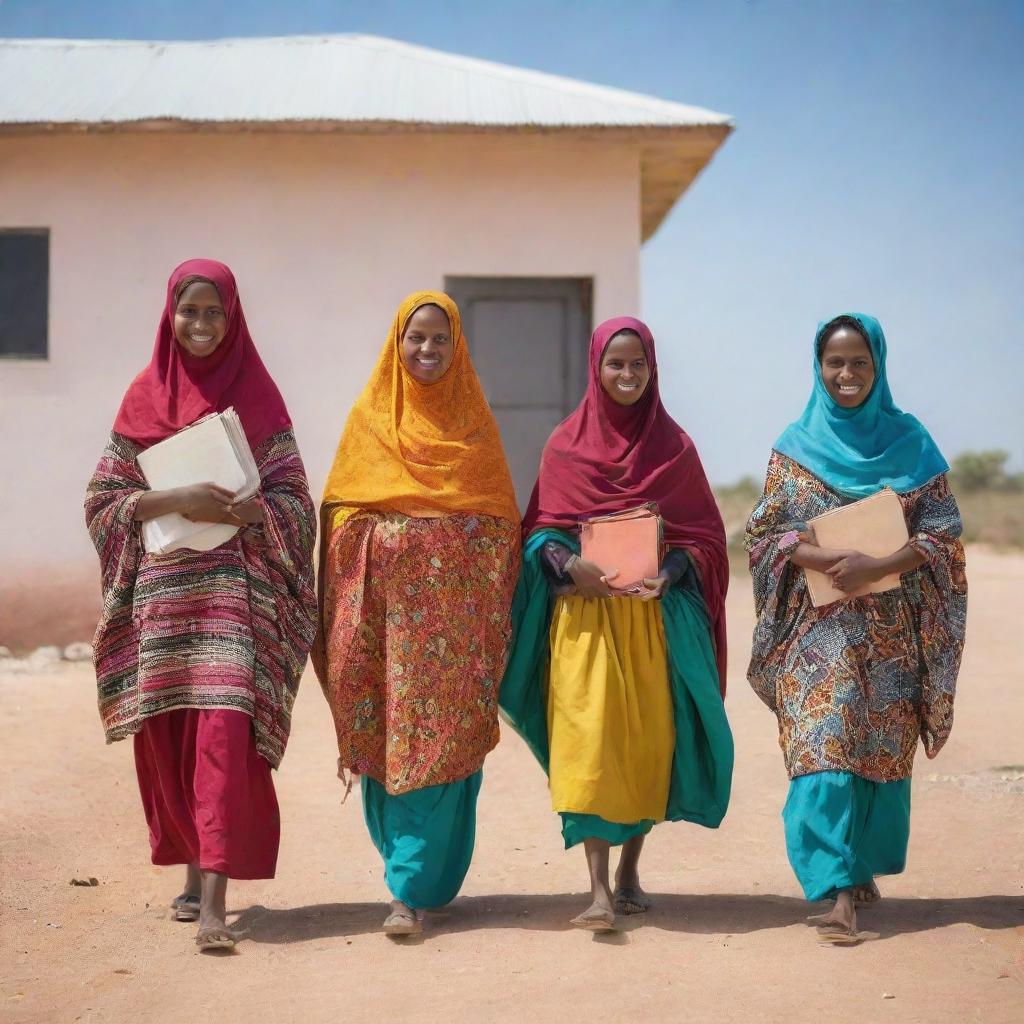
{"x":427,"y":347}
{"x":847,"y":368}
{"x":200,"y":322}
{"x":625,"y":371}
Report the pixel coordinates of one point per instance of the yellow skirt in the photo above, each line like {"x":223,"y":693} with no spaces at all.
{"x":610,"y":717}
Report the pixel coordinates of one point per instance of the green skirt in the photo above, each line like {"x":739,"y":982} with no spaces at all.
{"x":842,"y":830}
{"x":426,"y":838}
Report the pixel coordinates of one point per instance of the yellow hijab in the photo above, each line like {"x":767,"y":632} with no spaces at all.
{"x":422,"y":449}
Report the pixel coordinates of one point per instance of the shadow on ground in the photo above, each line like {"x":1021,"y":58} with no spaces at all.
{"x":701,"y":915}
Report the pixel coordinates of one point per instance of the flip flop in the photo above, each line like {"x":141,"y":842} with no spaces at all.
{"x":215,"y":937}
{"x":631,"y":899}
{"x":185,"y":907}
{"x":839,"y":935}
{"x":398,"y":923}
{"x":602,"y":922}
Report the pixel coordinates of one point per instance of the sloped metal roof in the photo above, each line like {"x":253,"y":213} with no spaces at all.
{"x":338,"y":83}
{"x":303,"y":78}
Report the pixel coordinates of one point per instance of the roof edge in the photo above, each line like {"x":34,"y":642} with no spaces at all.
{"x":368,"y":127}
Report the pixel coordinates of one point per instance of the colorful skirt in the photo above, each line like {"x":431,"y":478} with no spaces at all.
{"x":207,"y":794}
{"x":842,"y":830}
{"x":426,"y":838}
{"x":619,"y":701}
{"x":610,"y":720}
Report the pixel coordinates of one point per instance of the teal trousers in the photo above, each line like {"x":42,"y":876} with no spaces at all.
{"x":425,"y":837}
{"x":842,"y":830}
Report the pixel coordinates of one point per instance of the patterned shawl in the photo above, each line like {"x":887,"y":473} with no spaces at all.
{"x":228,"y":628}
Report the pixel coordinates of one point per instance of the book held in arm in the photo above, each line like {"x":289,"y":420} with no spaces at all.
{"x":874,"y":526}
{"x":213,"y":449}
{"x":628,"y":543}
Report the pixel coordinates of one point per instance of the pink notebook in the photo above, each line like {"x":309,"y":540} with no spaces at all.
{"x":627,"y":542}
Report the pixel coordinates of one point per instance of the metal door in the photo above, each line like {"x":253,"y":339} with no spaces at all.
{"x":528,"y":337}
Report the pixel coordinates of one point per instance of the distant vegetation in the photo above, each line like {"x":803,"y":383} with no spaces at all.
{"x":991,"y":502}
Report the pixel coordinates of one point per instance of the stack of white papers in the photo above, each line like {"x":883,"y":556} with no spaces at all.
{"x":213,"y":449}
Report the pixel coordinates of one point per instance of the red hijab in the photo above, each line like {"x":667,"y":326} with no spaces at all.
{"x":607,"y":457}
{"x":177,"y":388}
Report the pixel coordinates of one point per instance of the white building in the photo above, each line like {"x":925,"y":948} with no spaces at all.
{"x":334,"y":175}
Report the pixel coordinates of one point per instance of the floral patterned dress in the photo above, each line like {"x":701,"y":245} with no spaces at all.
{"x":854,"y":684}
{"x":414,"y":640}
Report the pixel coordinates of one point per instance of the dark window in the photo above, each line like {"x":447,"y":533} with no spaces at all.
{"x":24,"y":292}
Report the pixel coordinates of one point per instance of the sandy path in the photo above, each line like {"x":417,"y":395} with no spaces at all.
{"x":725,"y":943}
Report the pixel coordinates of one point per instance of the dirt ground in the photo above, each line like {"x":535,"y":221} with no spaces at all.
{"x":726,"y":941}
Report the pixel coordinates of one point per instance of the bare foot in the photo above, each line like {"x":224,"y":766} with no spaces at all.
{"x":631,"y":899}
{"x":214,"y":932}
{"x":839,"y":925}
{"x":864,"y":895}
{"x":401,"y":920}
{"x":598,"y":917}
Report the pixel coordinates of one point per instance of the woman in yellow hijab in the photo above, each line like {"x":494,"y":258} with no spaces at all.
{"x":419,"y":558}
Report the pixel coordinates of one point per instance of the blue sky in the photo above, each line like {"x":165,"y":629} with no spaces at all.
{"x":877,"y":165}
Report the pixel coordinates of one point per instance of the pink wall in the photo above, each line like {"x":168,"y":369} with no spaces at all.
{"x":325,"y":233}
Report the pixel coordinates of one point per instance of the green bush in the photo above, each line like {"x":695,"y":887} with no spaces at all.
{"x":984,"y":471}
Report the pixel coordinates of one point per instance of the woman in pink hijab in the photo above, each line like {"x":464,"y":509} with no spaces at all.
{"x":198,"y":654}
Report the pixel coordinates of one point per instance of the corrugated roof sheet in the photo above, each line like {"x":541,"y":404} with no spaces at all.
{"x":338,"y":78}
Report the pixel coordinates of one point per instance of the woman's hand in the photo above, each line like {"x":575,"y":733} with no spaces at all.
{"x":205,"y":503}
{"x":348,"y":779}
{"x":808,"y":555}
{"x":250,"y":511}
{"x":854,"y":571}
{"x":590,"y":581}
{"x":652,"y":589}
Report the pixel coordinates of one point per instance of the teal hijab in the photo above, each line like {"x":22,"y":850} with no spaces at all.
{"x":859,"y":451}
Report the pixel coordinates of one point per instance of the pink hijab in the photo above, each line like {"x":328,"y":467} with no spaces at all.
{"x":177,"y":388}
{"x":605,"y":457}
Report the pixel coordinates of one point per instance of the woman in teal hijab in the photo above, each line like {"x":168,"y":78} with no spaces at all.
{"x":858,"y":448}
{"x":855,"y":683}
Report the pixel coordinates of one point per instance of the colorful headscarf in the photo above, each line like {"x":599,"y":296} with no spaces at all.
{"x":422,"y":449}
{"x":607,"y":457}
{"x":177,"y":388}
{"x":859,"y":451}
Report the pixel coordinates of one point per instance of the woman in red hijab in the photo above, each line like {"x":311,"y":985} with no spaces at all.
{"x":619,"y":695}
{"x":198,"y":653}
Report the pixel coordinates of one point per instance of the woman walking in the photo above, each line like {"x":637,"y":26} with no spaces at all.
{"x":198,"y":653}
{"x":854,"y":683}
{"x":419,"y":556}
{"x":620,"y":697}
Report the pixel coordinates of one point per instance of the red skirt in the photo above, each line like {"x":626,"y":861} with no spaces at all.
{"x":208,"y":796}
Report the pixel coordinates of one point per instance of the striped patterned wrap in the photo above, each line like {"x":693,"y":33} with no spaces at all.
{"x":228,"y":628}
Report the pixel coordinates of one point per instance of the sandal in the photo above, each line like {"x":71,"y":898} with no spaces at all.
{"x":185,"y":907}
{"x":835,"y":934}
{"x":218,"y":936}
{"x":399,"y":923}
{"x":602,"y":921}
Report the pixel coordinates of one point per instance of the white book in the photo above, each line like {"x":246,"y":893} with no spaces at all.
{"x":213,"y":449}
